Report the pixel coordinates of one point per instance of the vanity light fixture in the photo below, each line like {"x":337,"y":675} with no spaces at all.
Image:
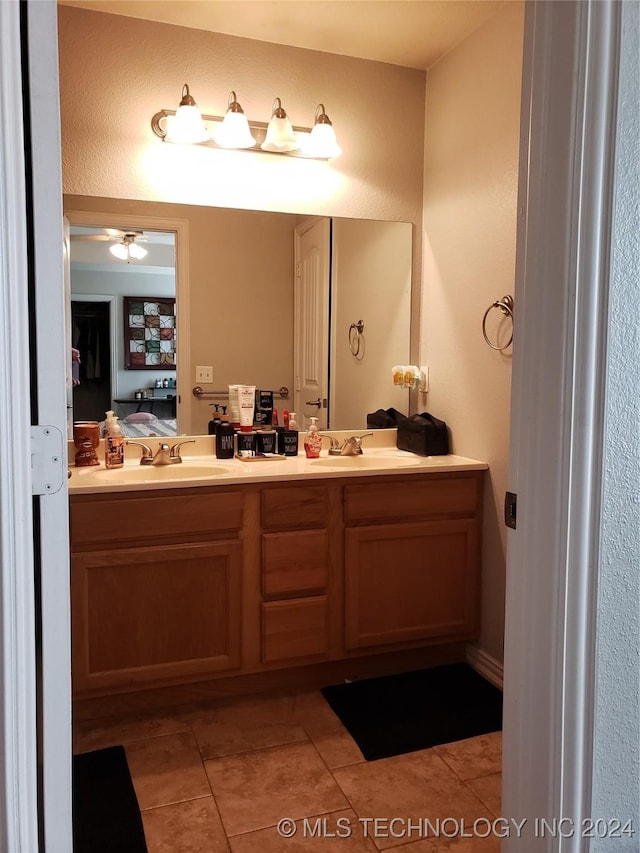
{"x":233,"y":131}
{"x":127,"y":248}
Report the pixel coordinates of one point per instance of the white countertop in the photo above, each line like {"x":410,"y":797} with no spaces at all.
{"x":201,"y":467}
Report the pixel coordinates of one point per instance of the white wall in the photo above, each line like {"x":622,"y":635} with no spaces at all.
{"x":118,"y":283}
{"x":469,"y":240}
{"x":616,"y":774}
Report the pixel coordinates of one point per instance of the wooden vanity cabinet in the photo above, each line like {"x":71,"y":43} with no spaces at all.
{"x":177,"y":586}
{"x":156,"y":588}
{"x":412,"y":560}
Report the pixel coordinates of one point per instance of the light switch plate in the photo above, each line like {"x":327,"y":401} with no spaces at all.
{"x":204,"y":374}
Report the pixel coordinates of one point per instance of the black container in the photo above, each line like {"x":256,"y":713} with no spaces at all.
{"x":246,"y":442}
{"x":267,"y":442}
{"x":214,"y":423}
{"x":225,"y":435}
{"x":280,"y":439}
{"x":290,"y":442}
{"x":423,"y":434}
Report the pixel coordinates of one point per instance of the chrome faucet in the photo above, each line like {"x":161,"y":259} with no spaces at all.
{"x":164,"y":455}
{"x":351,"y":446}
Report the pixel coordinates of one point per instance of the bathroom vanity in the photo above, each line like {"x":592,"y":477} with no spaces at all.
{"x":269,"y":566}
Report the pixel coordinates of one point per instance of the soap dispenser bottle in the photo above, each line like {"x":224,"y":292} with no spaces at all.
{"x":313,"y":440}
{"x":113,"y":442}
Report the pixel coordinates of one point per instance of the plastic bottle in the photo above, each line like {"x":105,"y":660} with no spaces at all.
{"x":215,"y":421}
{"x":312,"y":442}
{"x":225,"y":435}
{"x":114,"y":442}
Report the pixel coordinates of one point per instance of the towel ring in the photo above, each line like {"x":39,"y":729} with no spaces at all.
{"x":355,"y":337}
{"x":506,"y":306}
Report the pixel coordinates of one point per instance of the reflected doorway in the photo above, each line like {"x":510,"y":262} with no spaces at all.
{"x":91,"y":338}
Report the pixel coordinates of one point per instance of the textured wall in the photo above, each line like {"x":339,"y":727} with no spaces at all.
{"x":616,"y":787}
{"x":469,"y":240}
{"x":116,"y":72}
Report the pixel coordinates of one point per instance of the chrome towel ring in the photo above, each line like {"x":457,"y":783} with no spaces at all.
{"x":355,"y":337}
{"x":506,"y":306}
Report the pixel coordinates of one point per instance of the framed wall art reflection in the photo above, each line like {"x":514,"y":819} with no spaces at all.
{"x":149,"y":333}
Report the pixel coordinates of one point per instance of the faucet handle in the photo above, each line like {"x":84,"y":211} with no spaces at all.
{"x":175,"y":450}
{"x":147,"y":453}
{"x":357,"y":439}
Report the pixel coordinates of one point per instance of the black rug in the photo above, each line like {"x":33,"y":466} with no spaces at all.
{"x":415,"y":710}
{"x":106,"y":816}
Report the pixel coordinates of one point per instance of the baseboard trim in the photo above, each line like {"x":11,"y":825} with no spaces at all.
{"x":487,"y":666}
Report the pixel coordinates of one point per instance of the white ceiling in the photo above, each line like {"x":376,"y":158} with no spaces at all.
{"x":414,"y":33}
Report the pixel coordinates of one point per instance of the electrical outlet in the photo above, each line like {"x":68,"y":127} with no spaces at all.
{"x":204,"y":374}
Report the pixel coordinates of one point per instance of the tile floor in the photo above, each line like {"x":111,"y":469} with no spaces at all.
{"x":220,"y":776}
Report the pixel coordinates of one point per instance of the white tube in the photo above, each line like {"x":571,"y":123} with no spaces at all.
{"x":247,"y":399}
{"x":234,"y":405}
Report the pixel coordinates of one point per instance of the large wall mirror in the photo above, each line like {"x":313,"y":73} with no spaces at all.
{"x":319,"y":306}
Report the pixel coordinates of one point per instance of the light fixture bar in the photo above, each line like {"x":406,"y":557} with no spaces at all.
{"x":258,"y":129}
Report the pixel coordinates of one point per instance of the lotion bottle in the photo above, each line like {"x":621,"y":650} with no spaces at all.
{"x":113,"y":443}
{"x":313,"y":440}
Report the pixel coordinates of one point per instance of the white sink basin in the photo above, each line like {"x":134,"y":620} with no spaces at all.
{"x":356,"y":462}
{"x":150,"y":473}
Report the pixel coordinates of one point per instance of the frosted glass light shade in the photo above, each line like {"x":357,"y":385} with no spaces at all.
{"x":137,"y":252}
{"x":234,"y":132}
{"x":120,"y":251}
{"x":322,"y":142}
{"x":280,"y":136}
{"x":186,"y":125}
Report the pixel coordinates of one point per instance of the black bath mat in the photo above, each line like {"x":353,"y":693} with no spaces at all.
{"x":415,"y":710}
{"x":106,"y":815}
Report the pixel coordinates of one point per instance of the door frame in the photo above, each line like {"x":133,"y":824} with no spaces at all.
{"x":571,"y":62}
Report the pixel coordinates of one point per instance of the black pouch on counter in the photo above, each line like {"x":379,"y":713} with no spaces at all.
{"x":423,"y":434}
{"x":384,"y":419}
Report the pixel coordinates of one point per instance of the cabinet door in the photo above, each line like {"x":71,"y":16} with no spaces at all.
{"x":409,"y":582}
{"x":154,"y":614}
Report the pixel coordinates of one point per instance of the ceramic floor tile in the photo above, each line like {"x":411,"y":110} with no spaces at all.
{"x":166,"y":770}
{"x":98,"y":734}
{"x":490,"y":844}
{"x":244,"y":724}
{"x":331,"y":739}
{"x":474,"y":757}
{"x":489,"y":790}
{"x":190,"y":827}
{"x":339,"y":831}
{"x":413,"y":786}
{"x":254,"y":790}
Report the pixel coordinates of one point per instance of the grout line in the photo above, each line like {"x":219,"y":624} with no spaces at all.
{"x":173,"y":803}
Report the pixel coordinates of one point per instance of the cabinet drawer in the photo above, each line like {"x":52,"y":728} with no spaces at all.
{"x":451,"y":495}
{"x":294,"y":629}
{"x":294,"y":507}
{"x":127,"y":519}
{"x":294,"y":563}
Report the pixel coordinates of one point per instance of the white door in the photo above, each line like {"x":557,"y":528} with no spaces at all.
{"x":311,"y":324}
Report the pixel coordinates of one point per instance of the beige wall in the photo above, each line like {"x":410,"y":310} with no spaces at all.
{"x":116,"y":72}
{"x":470,"y":192}
{"x":371,"y":281}
{"x":244,"y":332}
